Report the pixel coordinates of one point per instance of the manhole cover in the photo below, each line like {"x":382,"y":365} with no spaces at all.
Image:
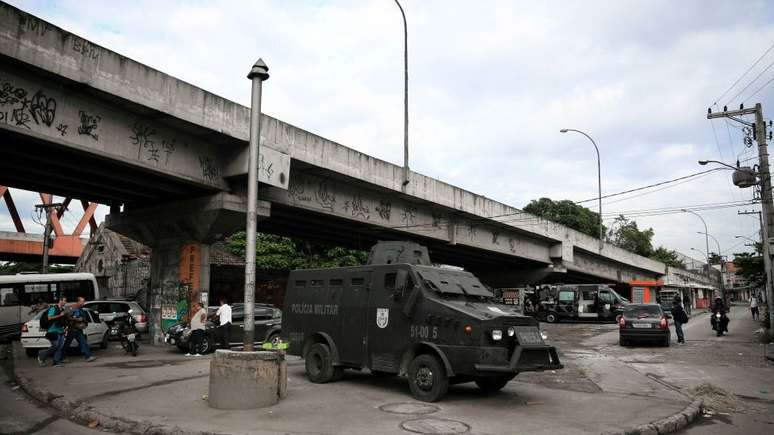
{"x":409,"y":408}
{"x":432,"y":425}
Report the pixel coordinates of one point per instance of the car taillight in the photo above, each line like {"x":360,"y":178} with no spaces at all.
{"x":142,"y":318}
{"x":664,"y":323}
{"x":24,"y":328}
{"x":622,"y":322}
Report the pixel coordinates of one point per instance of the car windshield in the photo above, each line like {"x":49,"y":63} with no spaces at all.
{"x":453,"y":282}
{"x":642,"y":311}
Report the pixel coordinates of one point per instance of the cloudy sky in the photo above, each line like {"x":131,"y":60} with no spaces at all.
{"x":491,"y":84}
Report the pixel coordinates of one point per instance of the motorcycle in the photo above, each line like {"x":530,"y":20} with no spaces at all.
{"x":719,"y":323}
{"x":128,"y":334}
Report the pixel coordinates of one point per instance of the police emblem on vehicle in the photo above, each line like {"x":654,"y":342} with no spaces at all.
{"x":382,"y":317}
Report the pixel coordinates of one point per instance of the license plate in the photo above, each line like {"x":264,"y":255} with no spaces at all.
{"x":641,"y":325}
{"x":529,"y":336}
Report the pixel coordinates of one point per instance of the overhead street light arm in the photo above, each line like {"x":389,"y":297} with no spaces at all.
{"x":599,"y":179}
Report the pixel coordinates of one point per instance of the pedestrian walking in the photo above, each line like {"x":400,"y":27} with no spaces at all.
{"x":687,"y":303}
{"x":198,"y":322}
{"x":754,"y":308}
{"x":680,"y":317}
{"x":224,"y":319}
{"x":55,"y":319}
{"x":77,"y":323}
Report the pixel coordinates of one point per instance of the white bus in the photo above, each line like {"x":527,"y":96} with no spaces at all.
{"x":19,"y":294}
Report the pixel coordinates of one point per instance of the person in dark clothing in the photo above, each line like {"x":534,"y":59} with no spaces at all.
{"x":680,"y":317}
{"x":77,"y":324}
{"x":719,"y":307}
{"x":687,"y":304}
{"x":55,"y":334}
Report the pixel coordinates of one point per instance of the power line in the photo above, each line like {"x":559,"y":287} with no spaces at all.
{"x":744,"y":74}
{"x":652,"y":185}
{"x":751,"y":82}
{"x":759,"y":89}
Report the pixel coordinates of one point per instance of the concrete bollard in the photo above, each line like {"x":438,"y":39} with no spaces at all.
{"x":247,"y":380}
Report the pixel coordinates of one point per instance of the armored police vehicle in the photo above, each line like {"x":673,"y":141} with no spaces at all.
{"x":400,"y":315}
{"x":580,"y":302}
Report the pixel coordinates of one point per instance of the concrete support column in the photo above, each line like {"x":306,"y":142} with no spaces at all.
{"x":165,"y":282}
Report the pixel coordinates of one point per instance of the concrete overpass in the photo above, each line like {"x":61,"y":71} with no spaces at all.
{"x":77,"y":119}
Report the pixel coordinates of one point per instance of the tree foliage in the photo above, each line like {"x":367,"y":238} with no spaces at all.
{"x":625,"y":234}
{"x":667,"y":256}
{"x":14,"y":267}
{"x":750,"y":267}
{"x":567,"y":213}
{"x":278,"y":253}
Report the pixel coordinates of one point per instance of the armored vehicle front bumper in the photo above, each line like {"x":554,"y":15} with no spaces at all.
{"x":525,"y":358}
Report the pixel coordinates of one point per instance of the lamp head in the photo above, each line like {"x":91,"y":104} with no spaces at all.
{"x":703,"y":162}
{"x":564,"y":130}
{"x":684,"y":210}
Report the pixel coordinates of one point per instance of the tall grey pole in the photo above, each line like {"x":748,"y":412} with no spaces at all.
{"x":706,"y":240}
{"x":405,"y":100}
{"x":46,"y":239}
{"x":258,"y":74}
{"x":766,"y":205}
{"x":722,"y":265}
{"x":599,"y":181}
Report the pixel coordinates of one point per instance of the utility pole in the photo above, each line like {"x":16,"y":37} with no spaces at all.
{"x":405,"y":101}
{"x":47,"y":230}
{"x":759,"y":128}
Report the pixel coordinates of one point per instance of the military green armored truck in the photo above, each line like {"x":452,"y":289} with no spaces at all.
{"x":400,"y":315}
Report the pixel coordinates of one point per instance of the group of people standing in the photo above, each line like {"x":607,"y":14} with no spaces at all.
{"x":65,"y":324}
{"x":198,"y":322}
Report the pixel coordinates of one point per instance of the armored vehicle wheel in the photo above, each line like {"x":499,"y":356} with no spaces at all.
{"x":319,"y":366}
{"x":427,"y":378}
{"x":551,"y":317}
{"x":494,"y":383}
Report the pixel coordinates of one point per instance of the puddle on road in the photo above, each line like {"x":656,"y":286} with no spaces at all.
{"x":432,"y":425}
{"x":143,"y":364}
{"x":409,"y":408}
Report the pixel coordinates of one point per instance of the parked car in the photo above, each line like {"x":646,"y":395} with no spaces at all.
{"x":643,"y":322}
{"x":108,"y":309}
{"x":268,"y":321}
{"x":33,"y":338}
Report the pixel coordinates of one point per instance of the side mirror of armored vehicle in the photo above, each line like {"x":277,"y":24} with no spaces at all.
{"x":401,"y":282}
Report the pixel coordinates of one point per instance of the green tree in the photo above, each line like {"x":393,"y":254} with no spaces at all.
{"x":14,"y":267}
{"x":667,"y":256}
{"x":751,"y":267}
{"x":280,"y":253}
{"x":567,"y":213}
{"x":625,"y":234}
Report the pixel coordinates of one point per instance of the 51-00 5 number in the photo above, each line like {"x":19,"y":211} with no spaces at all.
{"x":422,"y":331}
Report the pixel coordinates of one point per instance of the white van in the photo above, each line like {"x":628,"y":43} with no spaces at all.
{"x":20,"y":293}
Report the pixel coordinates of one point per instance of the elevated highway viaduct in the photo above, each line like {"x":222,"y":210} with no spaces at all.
{"x":79,"y":120}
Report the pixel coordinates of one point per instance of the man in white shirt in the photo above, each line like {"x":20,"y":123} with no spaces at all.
{"x":198,"y":324}
{"x":754,"y":308}
{"x":224,"y":330}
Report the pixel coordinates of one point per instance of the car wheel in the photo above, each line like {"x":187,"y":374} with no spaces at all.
{"x":104,"y":343}
{"x":427,"y":378}
{"x":319,"y":364}
{"x":273,"y":338}
{"x":31,"y":352}
{"x":551,"y":317}
{"x":493,"y":383}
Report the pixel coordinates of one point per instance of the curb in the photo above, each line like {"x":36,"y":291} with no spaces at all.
{"x":666,"y":425}
{"x":83,"y":414}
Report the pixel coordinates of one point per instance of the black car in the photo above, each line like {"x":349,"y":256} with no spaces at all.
{"x":268,"y":321}
{"x":643,"y":322}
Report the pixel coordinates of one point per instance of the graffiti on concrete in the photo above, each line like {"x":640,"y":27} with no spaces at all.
{"x":210,"y":170}
{"x":472,"y":231}
{"x":511,"y":244}
{"x":85,"y":48}
{"x":265,"y":167}
{"x":42,"y":108}
{"x":62,"y":129}
{"x":324,"y":196}
{"x":356,"y":207}
{"x":409,"y":215}
{"x":495,"y":237}
{"x":151,"y":148}
{"x":297,"y":189}
{"x":142,"y":136}
{"x":23,"y":110}
{"x":31,"y":24}
{"x":11,"y":95}
{"x":89,"y":124}
{"x":20,"y":117}
{"x":437,"y":218}
{"x":384,"y":209}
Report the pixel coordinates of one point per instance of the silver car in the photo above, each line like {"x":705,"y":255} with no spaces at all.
{"x":109,"y":309}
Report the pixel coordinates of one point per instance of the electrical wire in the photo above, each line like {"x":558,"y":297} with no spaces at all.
{"x":744,"y":74}
{"x":759,"y":89}
{"x":653,"y":185}
{"x":751,"y":82}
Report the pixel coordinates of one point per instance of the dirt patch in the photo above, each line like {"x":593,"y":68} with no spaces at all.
{"x":717,"y":399}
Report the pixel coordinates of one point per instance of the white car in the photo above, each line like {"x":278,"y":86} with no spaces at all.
{"x":33,"y":338}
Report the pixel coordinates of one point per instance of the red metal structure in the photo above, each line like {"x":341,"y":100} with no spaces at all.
{"x":22,"y":246}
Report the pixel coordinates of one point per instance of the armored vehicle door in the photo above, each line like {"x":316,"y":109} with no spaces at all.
{"x":565,"y":305}
{"x":388,"y":326}
{"x":606,"y":302}
{"x":354,"y":306}
{"x":587,"y":303}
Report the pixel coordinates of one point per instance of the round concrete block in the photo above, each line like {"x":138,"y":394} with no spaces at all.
{"x":245,"y":380}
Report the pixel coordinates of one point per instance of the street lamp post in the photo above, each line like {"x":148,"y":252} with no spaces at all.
{"x":599,"y":180}
{"x":706,"y":239}
{"x":257,"y":75}
{"x":722,"y":263}
{"x":405,"y":99}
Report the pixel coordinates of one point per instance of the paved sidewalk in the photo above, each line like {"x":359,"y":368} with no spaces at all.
{"x":161,"y":390}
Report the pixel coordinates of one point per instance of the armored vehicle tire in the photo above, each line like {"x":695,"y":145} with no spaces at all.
{"x":493,"y":383}
{"x":427,"y":378}
{"x":552,"y":317}
{"x":319,"y":366}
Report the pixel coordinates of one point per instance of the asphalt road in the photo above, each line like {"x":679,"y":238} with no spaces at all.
{"x":21,"y":415}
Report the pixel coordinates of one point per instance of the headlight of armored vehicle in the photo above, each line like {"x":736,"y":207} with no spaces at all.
{"x":497,"y":334}
{"x":543,"y":335}
{"x":511,"y":331}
